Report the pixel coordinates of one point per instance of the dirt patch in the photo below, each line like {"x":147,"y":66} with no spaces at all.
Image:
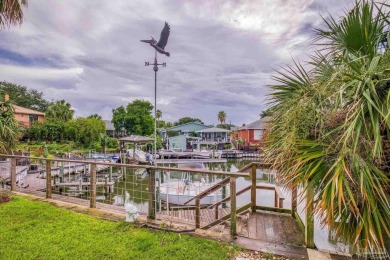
{"x":5,"y":196}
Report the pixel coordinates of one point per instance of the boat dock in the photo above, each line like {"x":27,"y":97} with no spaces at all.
{"x":212,"y":160}
{"x":5,"y":172}
{"x":236,"y":154}
{"x":71,"y":168}
{"x":82,"y":184}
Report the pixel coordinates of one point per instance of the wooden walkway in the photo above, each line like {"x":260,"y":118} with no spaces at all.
{"x":188,"y":216}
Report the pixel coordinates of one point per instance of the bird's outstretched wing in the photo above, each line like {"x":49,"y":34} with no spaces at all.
{"x":164,"y":36}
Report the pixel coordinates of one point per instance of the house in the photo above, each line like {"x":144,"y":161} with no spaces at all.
{"x":181,"y":142}
{"x":26,"y":117}
{"x":111,"y":132}
{"x":251,"y":136}
{"x":110,"y":129}
{"x":180,"y":137}
{"x":212,"y":136}
{"x":194,"y":135}
{"x":186,"y":129}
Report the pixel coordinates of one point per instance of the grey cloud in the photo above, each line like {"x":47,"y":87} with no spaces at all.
{"x":222,"y":53}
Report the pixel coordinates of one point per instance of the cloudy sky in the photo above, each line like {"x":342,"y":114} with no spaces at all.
{"x":223,"y":52}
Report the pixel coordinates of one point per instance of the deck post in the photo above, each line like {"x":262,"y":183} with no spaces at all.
{"x":93,"y":185}
{"x":309,"y":227}
{"x":224,"y":195}
{"x":216,"y":212}
{"x":13,"y":174}
{"x":151,"y":195}
{"x":233,"y":206}
{"x":106,"y":185}
{"x":294,"y":195}
{"x":48,"y":179}
{"x":253,"y":188}
{"x":280,"y":203}
{"x":197,"y":212}
{"x":276,"y":199}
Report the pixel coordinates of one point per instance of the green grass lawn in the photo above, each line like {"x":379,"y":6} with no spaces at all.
{"x":37,"y":230}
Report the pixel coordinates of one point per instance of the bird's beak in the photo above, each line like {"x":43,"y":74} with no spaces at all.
{"x":147,"y":41}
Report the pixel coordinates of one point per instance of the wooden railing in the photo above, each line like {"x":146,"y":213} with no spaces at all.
{"x":230,"y":179}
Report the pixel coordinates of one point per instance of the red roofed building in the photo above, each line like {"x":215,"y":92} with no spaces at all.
{"x":251,"y":136}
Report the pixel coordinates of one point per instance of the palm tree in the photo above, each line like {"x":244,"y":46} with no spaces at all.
{"x":330,"y":126}
{"x":9,"y":128}
{"x":11,"y":12}
{"x":60,"y":110}
{"x":96,"y":116}
{"x":221,"y":117}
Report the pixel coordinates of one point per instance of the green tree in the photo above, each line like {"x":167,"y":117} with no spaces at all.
{"x":61,"y":111}
{"x":136,"y":118}
{"x":11,"y":12}
{"x":185,"y":120}
{"x":221,"y":117}
{"x":21,"y":96}
{"x":330,"y":126}
{"x":86,"y":131}
{"x":97,"y":116}
{"x":9,"y":128}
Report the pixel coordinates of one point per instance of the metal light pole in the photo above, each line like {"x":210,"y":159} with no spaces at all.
{"x":155,"y":68}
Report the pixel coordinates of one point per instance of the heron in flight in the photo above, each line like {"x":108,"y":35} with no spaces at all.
{"x":160,"y":45}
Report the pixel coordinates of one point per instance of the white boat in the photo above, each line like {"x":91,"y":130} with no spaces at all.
{"x":179,"y":192}
{"x":205,"y":154}
{"x":139,"y":155}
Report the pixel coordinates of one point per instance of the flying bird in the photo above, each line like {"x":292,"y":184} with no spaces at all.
{"x":160,"y":45}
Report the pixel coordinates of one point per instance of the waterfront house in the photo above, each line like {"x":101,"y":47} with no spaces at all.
{"x":186,"y":129}
{"x":251,"y":136}
{"x":180,"y":137}
{"x":195,"y":135}
{"x":214,"y":134}
{"x":26,"y":117}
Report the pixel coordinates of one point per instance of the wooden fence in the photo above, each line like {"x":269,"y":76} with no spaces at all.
{"x":248,"y":171}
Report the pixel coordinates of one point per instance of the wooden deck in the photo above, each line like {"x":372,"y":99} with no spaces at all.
{"x":275,"y":227}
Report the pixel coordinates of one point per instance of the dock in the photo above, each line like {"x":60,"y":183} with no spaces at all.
{"x":212,"y":160}
{"x":237,"y":154}
{"x":71,"y":168}
{"x":83,"y":184}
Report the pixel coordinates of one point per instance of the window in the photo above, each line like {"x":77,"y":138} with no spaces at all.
{"x":32,"y":119}
{"x":257,"y":134}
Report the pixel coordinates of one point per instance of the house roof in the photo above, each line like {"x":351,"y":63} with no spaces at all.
{"x":23,"y":110}
{"x":213,"y":130}
{"x":136,"y":139}
{"x":109,"y":125}
{"x":187,"y":126}
{"x":258,"y":124}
